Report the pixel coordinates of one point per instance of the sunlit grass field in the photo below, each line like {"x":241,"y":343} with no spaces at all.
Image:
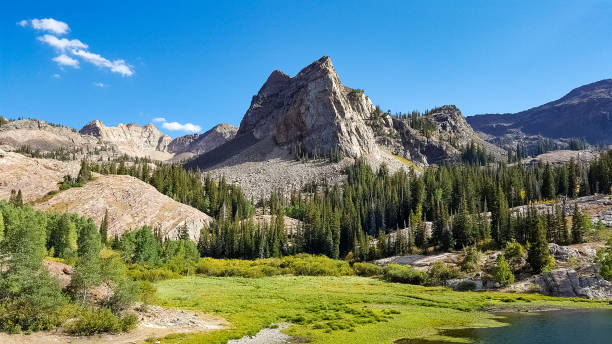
{"x":346,"y":309}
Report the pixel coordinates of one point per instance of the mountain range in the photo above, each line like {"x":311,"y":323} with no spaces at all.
{"x":585,"y":113}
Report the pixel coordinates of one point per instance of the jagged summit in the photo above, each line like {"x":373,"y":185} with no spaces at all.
{"x":313,"y":110}
{"x":140,"y":136}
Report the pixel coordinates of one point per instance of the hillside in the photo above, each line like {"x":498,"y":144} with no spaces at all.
{"x":585,"y":112}
{"x":96,"y":141}
{"x":131,"y":203}
{"x":34,"y":177}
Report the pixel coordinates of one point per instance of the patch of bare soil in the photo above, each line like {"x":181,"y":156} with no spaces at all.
{"x":154,"y":322}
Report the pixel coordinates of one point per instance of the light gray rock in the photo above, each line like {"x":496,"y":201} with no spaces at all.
{"x":568,"y":283}
{"x":313,"y":110}
{"x":464,"y":284}
{"x":562,"y":253}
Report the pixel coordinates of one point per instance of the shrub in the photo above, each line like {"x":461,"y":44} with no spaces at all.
{"x":299,"y":265}
{"x":471,"y":260}
{"x":604,"y":259}
{"x":514,"y":252}
{"x":404,"y":274}
{"x":101,"y":320}
{"x":367,"y":269}
{"x":152,"y":275}
{"x":502,"y":273}
{"x":440,"y":272}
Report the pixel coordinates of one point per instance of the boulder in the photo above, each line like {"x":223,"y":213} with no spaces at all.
{"x":567,"y":282}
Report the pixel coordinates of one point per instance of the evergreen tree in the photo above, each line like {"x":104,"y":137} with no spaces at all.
{"x":104,"y":228}
{"x":580,"y":225}
{"x":538,"y":255}
{"x":548,"y":183}
{"x":88,"y":268}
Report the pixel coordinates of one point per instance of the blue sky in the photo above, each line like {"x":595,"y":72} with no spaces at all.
{"x":200,"y":62}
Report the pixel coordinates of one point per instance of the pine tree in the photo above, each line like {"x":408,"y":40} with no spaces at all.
{"x":580,"y":225}
{"x":548,"y":183}
{"x":538,"y":255}
{"x":88,"y":267}
{"x":104,"y":228}
{"x":572,"y":179}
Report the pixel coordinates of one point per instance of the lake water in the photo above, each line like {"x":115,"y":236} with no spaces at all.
{"x":571,"y":327}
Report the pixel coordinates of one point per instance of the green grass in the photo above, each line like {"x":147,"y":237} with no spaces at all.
{"x":346,"y":309}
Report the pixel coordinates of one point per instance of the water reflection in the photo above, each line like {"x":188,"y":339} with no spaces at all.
{"x":566,"y":327}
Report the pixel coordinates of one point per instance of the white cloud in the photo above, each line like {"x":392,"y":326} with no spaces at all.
{"x":116,"y":66}
{"x":99,"y":84}
{"x":50,"y":24}
{"x":188,"y":127}
{"x":65,"y":60}
{"x":159,"y":119}
{"x":74,"y":47}
{"x":62,"y":43}
{"x":57,"y":76}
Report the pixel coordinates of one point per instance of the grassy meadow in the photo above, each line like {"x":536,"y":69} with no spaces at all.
{"x":338,"y":309}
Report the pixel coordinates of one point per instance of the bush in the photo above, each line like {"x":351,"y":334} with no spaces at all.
{"x":152,"y":275}
{"x":367,"y":269}
{"x":502,"y":273}
{"x":471,"y":260}
{"x":440,"y":272}
{"x":604,"y":259}
{"x":101,"y":320}
{"x":515,"y":254}
{"x":403,"y":274}
{"x":299,"y":265}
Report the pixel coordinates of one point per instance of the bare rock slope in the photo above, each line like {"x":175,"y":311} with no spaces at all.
{"x":34,"y":177}
{"x":132,"y":139}
{"x":131,"y":203}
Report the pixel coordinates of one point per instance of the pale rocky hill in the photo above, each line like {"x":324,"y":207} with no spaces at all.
{"x":132,"y":139}
{"x":131,"y":204}
{"x":96,"y":141}
{"x":47,"y":137}
{"x":34,"y":177}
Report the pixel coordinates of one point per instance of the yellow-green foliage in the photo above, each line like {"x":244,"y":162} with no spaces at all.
{"x":299,"y":265}
{"x":367,"y":269}
{"x":347,"y":309}
{"x":101,"y":320}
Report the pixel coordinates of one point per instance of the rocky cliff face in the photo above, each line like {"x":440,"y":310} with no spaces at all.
{"x":43,"y":136}
{"x":585,"y":112}
{"x":313,"y":110}
{"x":197,"y":144}
{"x":438,"y":136}
{"x":131,"y":138}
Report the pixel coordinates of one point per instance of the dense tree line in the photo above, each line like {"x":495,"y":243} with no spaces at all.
{"x":372,"y":204}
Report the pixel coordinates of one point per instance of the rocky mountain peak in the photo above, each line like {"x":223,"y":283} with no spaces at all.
{"x":313,"y":110}
{"x":201,"y":143}
{"x":132,"y":135}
